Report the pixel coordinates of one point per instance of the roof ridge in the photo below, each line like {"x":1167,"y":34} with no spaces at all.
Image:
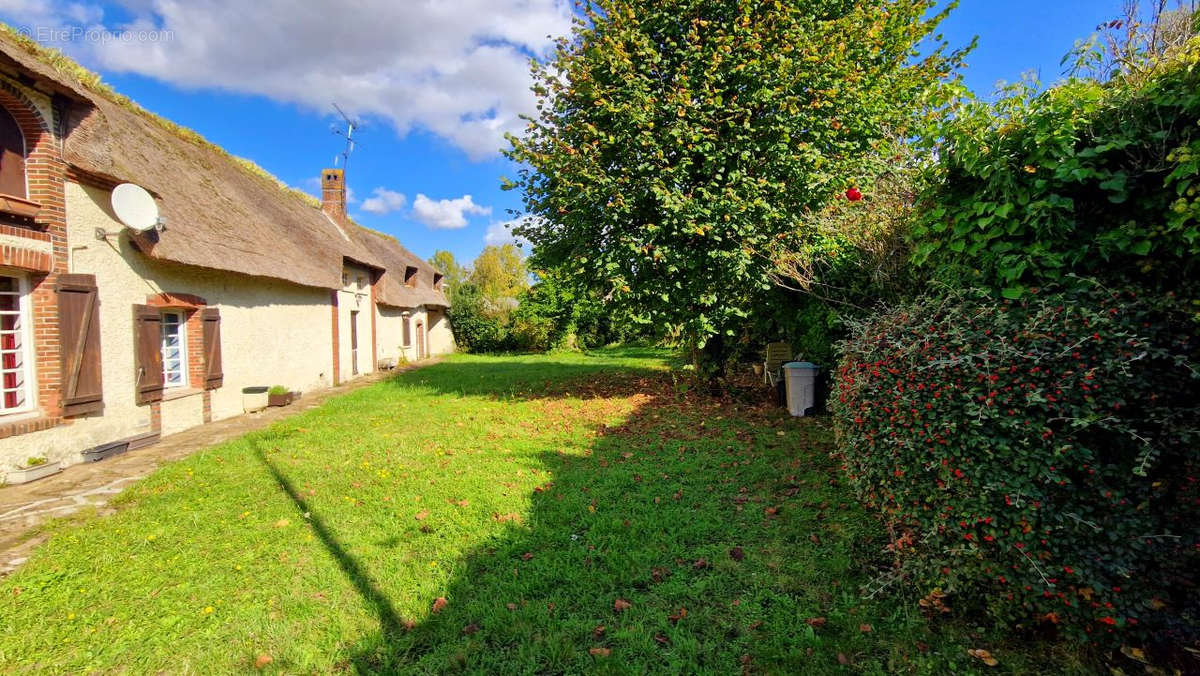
{"x":70,"y":69}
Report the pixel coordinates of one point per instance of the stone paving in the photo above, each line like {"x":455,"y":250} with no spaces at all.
{"x":25,"y":507}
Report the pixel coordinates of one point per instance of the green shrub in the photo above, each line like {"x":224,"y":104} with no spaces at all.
{"x":1036,"y":458}
{"x":1085,"y":178}
{"x":277,"y":390}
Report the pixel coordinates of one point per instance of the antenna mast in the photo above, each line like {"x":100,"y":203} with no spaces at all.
{"x":351,"y":125}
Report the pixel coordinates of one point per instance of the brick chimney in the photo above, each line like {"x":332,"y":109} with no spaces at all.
{"x":333,"y":193}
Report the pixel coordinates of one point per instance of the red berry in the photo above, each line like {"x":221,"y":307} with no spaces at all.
{"x":853,"y":194}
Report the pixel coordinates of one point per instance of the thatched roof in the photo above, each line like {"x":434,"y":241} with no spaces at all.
{"x":395,"y":259}
{"x":221,"y":212}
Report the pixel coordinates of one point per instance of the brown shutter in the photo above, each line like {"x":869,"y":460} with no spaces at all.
{"x":79,"y":336}
{"x":12,"y":156}
{"x":211,"y":321}
{"x":147,"y":354}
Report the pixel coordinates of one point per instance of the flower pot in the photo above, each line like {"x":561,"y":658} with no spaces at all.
{"x":26,"y":474}
{"x":255,"y":399}
{"x":281,"y":399}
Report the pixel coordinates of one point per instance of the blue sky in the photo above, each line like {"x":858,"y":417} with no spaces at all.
{"x":436,"y":83}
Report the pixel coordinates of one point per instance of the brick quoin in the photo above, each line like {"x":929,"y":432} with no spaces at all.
{"x":45,"y":173}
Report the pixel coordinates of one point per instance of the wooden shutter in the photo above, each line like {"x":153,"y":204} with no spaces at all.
{"x":147,"y":354}
{"x":79,"y":340}
{"x":211,"y":321}
{"x":12,"y":156}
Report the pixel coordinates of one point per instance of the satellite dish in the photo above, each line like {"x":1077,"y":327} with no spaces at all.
{"x":135,"y":207}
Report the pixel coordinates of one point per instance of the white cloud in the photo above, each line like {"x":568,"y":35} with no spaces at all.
{"x":458,"y":69}
{"x":447,"y":214}
{"x":384,"y":201}
{"x":501,"y":233}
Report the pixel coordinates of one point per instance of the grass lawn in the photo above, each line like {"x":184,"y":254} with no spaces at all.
{"x":530,"y":493}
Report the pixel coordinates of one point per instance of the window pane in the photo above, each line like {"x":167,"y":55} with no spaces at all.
{"x":11,"y":284}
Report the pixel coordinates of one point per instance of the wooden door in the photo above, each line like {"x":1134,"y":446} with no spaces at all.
{"x":420,"y":340}
{"x":354,"y":342}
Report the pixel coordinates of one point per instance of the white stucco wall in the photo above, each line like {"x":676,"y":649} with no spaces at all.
{"x":390,"y":323}
{"x":441,"y":338}
{"x":272,"y":333}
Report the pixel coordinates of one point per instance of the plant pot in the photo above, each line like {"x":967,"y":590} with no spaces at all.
{"x":284,"y":399}
{"x":26,"y":474}
{"x":98,"y":453}
{"x":255,"y":399}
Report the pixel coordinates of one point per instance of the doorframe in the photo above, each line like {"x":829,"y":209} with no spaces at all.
{"x":421,"y":346}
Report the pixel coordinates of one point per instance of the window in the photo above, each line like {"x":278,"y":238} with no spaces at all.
{"x":362,"y":282}
{"x":174,"y":350}
{"x":407,"y":330}
{"x":12,"y":157}
{"x":410,"y":276}
{"x":437,"y":281}
{"x":14,"y":346}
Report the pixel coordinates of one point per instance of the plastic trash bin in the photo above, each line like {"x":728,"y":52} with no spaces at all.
{"x":801,"y":379}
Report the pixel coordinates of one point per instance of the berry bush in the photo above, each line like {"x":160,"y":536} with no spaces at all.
{"x":1036,"y":458}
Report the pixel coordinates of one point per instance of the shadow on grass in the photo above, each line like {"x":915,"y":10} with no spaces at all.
{"x":699,"y":512}
{"x":513,"y":376}
{"x":389,"y":620}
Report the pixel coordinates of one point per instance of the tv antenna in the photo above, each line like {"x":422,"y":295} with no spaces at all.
{"x":351,"y":125}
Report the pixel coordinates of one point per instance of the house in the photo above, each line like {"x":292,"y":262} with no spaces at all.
{"x":111,"y":335}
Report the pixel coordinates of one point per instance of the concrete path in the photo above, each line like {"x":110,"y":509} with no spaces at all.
{"x":25,"y":507}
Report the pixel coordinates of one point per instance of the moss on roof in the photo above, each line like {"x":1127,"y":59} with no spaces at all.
{"x":70,"y":69}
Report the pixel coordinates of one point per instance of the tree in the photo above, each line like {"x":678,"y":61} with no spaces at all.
{"x":453,"y":274}
{"x":678,"y":140}
{"x":500,"y":273}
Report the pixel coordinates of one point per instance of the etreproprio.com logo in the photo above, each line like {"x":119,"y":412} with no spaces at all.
{"x":53,"y":34}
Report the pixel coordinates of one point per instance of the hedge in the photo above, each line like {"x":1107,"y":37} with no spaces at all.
{"x":1035,"y":458}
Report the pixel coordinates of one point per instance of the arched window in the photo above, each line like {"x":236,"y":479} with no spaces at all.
{"x":12,"y":157}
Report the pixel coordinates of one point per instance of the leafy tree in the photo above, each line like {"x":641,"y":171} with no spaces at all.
{"x":453,"y":274}
{"x":500,"y":274}
{"x":678,"y":139}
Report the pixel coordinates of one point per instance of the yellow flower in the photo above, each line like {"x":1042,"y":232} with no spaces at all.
{"x":70,"y":616}
{"x":208,"y":609}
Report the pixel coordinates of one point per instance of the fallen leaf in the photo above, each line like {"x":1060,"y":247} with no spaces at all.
{"x":737,"y":554}
{"x":983,"y":656}
{"x":678,"y":616}
{"x":842,"y":659}
{"x":770,"y":511}
{"x":627,"y":455}
{"x":864,"y":628}
{"x":922,"y":647}
{"x":439,"y":603}
{"x":621,"y":605}
{"x":463,"y":503}
{"x":815,"y":539}
{"x":470,"y":629}
{"x":526,"y":556}
{"x":421,"y":515}
{"x":1134,"y":653}
{"x":282,"y":523}
{"x":659,"y":574}
{"x":661,"y":638}
{"x":756,"y":625}
{"x":598,"y":631}
{"x":816,"y":622}
{"x":262,"y":661}
{"x":511,"y":606}
{"x":700,"y":564}
{"x":600,"y":652}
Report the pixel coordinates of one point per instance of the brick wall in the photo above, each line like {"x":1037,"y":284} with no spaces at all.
{"x":45,"y":173}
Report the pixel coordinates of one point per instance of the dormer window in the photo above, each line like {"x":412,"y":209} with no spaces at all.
{"x":410,"y":276}
{"x":12,"y":156}
{"x":437,"y":281}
